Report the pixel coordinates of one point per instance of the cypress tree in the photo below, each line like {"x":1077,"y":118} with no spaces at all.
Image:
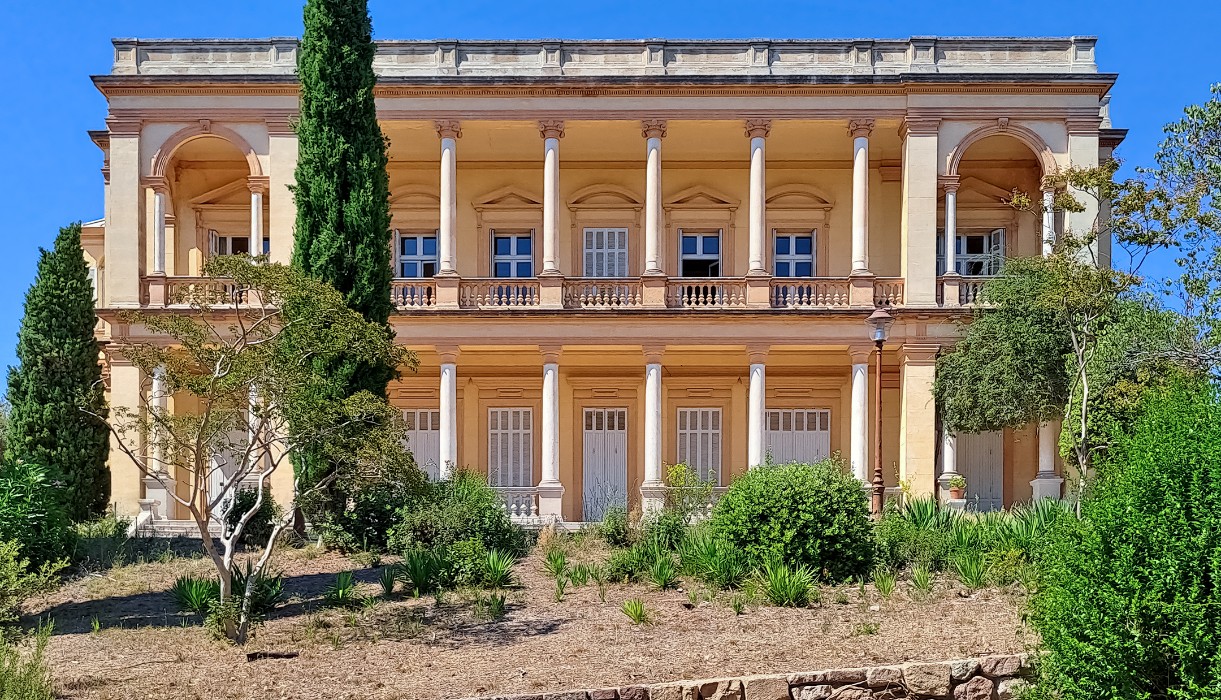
{"x":342,"y":193}
{"x":58,"y":382}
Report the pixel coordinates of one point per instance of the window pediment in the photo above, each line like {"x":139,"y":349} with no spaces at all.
{"x":701,"y":198}
{"x":604,"y":197}
{"x":508,"y":198}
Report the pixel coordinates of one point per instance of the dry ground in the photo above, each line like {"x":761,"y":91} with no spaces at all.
{"x":424,"y":648}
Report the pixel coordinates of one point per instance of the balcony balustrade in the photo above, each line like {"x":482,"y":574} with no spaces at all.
{"x":602,"y":294}
{"x":413,"y":294}
{"x":706,"y":293}
{"x":184,"y":292}
{"x":810,"y":293}
{"x":498,"y":293}
{"x":520,"y":502}
{"x":888,"y":291}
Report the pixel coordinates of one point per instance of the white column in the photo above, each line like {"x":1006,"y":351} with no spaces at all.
{"x":859,"y":438}
{"x":949,"y":454}
{"x":552,"y":131}
{"x":159,"y":400}
{"x":756,"y":448}
{"x":652,"y":490}
{"x":951,"y":227}
{"x":449,"y":131}
{"x":757,"y":130}
{"x":654,"y":130}
{"x":1047,"y":483}
{"x":550,"y":490}
{"x":257,"y":188}
{"x":159,"y":195}
{"x":157,"y":487}
{"x":860,"y":130}
{"x":448,"y":453}
{"x":1049,"y":222}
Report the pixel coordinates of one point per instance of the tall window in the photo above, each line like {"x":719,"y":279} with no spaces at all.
{"x":417,"y":254}
{"x":794,"y":253}
{"x":700,"y":254}
{"x":512,"y":254}
{"x":699,"y":441}
{"x":423,"y":433}
{"x":510,"y":447}
{"x":975,"y":254}
{"x":605,"y":252}
{"x":219,"y":244}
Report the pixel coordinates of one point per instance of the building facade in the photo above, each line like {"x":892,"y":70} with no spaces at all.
{"x":611,"y":256}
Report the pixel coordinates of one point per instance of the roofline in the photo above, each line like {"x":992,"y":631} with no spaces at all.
{"x":625,"y":41}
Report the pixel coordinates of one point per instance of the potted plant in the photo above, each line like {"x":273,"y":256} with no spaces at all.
{"x":958,"y":487}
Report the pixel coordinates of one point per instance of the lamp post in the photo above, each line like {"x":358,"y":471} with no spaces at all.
{"x":879,"y":330}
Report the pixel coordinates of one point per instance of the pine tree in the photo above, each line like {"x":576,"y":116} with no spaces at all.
{"x":57,"y":384}
{"x":342,"y":234}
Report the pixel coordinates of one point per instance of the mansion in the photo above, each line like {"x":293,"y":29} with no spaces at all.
{"x":613,"y":256}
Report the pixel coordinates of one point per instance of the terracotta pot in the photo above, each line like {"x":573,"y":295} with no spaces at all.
{"x":958,"y":494}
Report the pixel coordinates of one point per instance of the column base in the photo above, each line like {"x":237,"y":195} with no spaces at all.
{"x":1046,"y":485}
{"x":551,"y":290}
{"x":860,"y":291}
{"x":652,"y":497}
{"x":551,"y":500}
{"x":653,"y":291}
{"x":758,"y":289}
{"x":157,"y":290}
{"x":951,"y":282}
{"x":447,"y":290}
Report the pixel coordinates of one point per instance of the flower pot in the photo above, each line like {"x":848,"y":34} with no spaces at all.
{"x":958,"y":494}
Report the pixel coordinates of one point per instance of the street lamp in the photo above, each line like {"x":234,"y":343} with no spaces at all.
{"x":879,"y":324}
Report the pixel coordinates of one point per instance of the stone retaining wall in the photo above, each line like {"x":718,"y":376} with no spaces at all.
{"x":986,"y":678}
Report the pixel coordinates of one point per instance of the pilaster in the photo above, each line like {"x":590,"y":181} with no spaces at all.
{"x":918,"y":419}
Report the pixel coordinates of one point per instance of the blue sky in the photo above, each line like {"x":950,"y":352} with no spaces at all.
{"x":1165,"y":55}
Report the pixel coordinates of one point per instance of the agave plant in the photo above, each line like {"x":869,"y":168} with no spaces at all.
{"x":343,"y":593}
{"x":787,"y":586}
{"x":498,"y":569}
{"x":884,"y":581}
{"x":971,"y":570}
{"x":636,"y":611}
{"x":926,"y":514}
{"x":556,"y":563}
{"x":267,"y":591}
{"x":663,"y":573}
{"x":417,"y":571}
{"x":388,"y":577}
{"x":194,"y":594}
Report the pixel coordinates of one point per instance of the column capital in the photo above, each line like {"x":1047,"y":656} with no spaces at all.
{"x":653,"y":128}
{"x":758,"y":128}
{"x":919,"y":127}
{"x":448,"y":354}
{"x":860,"y":354}
{"x":860,"y":128}
{"x":919,"y":355}
{"x":258,"y":184}
{"x":949,"y":183}
{"x":757,"y":353}
{"x":550,"y":353}
{"x":653,"y":353}
{"x":448,"y":128}
{"x":551,"y":128}
{"x":156,"y":183}
{"x":281,"y":125}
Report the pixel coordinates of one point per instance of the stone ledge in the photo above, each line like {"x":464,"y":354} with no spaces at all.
{"x":998,"y":677}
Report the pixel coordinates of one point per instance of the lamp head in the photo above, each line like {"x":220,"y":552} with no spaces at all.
{"x":879,"y":325}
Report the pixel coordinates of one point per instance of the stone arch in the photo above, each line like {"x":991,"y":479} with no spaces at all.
{"x":205,"y":129}
{"x":604,"y":195}
{"x":414,"y":197}
{"x":1038,"y":147}
{"x":799,"y":196}
{"x":702,"y":197}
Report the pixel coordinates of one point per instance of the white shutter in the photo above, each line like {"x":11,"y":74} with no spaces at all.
{"x":510,"y":447}
{"x":604,"y":466}
{"x":213,"y":243}
{"x":798,"y":435}
{"x":606,"y":252}
{"x":981,"y":461}
{"x":424,"y":439}
{"x":996,"y":250}
{"x":699,"y":441}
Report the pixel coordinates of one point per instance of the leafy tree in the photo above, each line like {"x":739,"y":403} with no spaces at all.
{"x":249,"y":357}
{"x":1129,"y":599}
{"x":342,"y":234}
{"x":57,"y":415}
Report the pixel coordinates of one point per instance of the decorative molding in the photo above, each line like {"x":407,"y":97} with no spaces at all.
{"x":156,"y":183}
{"x":1002,"y":123}
{"x":949,"y":183}
{"x":1083,"y":126}
{"x":259,"y":184}
{"x":920,"y":126}
{"x":653,"y":128}
{"x":860,"y":128}
{"x":448,"y":128}
{"x":551,"y":353}
{"x":758,"y":128}
{"x":205,"y":128}
{"x":757,"y":353}
{"x":1033,"y":141}
{"x":551,"y":128}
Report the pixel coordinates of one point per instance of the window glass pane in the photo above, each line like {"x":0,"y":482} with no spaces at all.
{"x":690,"y":245}
{"x":503,"y":245}
{"x":523,"y":245}
{"x":804,"y":269}
{"x":782,"y":269}
{"x":430,"y":245}
{"x":804,"y":245}
{"x":502,"y":269}
{"x":782,"y":245}
{"x":430,"y":269}
{"x":712,"y":245}
{"x":411,"y":269}
{"x":240,"y":245}
{"x":975,"y":245}
{"x":523,"y":269}
{"x":409,"y":245}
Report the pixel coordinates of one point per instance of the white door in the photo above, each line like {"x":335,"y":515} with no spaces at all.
{"x":424,"y":439}
{"x":605,"y":252}
{"x":511,"y":447}
{"x":225,"y":462}
{"x":981,"y":461}
{"x":798,"y":435}
{"x":699,"y":441}
{"x":605,"y":461}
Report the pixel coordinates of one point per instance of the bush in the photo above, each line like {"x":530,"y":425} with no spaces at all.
{"x":627,"y":565}
{"x":446,"y":512}
{"x":365,"y":525}
{"x":712,"y":560}
{"x":915,"y":533}
{"x":1129,"y":598}
{"x":195,"y":594}
{"x":99,"y":544}
{"x":813,"y":515}
{"x":19,"y":579}
{"x":665,"y":529}
{"x":463,"y":563}
{"x":258,"y":529}
{"x":26,"y":676}
{"x":616,"y":527}
{"x":30,"y":513}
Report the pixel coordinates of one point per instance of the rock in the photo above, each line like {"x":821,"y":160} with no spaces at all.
{"x":812,"y":692}
{"x":604,"y":694}
{"x":927,"y":679}
{"x":999,"y":666}
{"x":978,"y":688}
{"x":766,"y":687}
{"x":724,"y":689}
{"x":874,"y":608}
{"x":853,"y":694}
{"x":634,"y":692}
{"x":807,"y":678}
{"x":669,"y":691}
{"x":963,"y":669}
{"x":843,"y":676}
{"x":567,"y":695}
{"x":884,"y":676}
{"x":1010,"y":688}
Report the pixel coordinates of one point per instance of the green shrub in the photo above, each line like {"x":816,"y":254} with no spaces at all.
{"x":1128,"y":603}
{"x":714,"y":561}
{"x":579,"y":575}
{"x":368,"y":521}
{"x":195,"y":594}
{"x":636,"y":611}
{"x":662,"y":573}
{"x":30,"y":513}
{"x":343,"y":593}
{"x":258,"y":529}
{"x":498,"y":571}
{"x":627,"y":565}
{"x":99,"y":544}
{"x":616,"y":527}
{"x":417,"y":571}
{"x":971,"y":570}
{"x":387,"y":578}
{"x":19,"y":579}
{"x":266,"y":594}
{"x":812,"y":515}
{"x":461,"y":564}
{"x":462,"y":508}
{"x":556,"y":563}
{"x":666,"y":529}
{"x":26,"y":676}
{"x":916,"y":533}
{"x":785,"y":586}
{"x":884,"y":581}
